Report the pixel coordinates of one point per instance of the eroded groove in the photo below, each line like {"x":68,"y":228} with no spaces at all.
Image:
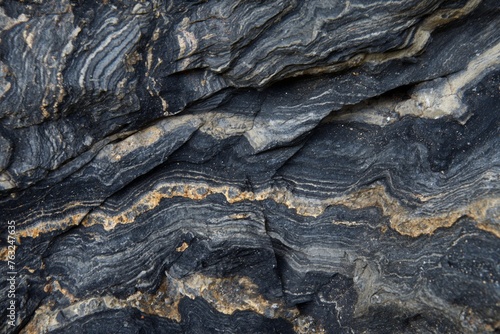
{"x":262,"y":167}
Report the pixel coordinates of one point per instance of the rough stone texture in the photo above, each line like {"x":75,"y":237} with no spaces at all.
{"x":251,"y":166}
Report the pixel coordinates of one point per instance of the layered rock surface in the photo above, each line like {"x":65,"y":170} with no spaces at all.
{"x":251,"y":167}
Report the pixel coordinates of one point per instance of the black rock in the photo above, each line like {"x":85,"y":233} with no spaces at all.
{"x":250,"y":167}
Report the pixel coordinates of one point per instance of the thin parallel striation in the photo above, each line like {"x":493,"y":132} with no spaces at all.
{"x":250,"y":167}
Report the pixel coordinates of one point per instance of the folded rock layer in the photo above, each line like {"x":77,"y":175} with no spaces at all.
{"x":250,"y":167}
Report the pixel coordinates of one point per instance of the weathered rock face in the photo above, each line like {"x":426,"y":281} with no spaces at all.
{"x":250,"y":166}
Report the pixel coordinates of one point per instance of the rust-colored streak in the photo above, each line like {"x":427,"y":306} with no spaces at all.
{"x":226,"y":295}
